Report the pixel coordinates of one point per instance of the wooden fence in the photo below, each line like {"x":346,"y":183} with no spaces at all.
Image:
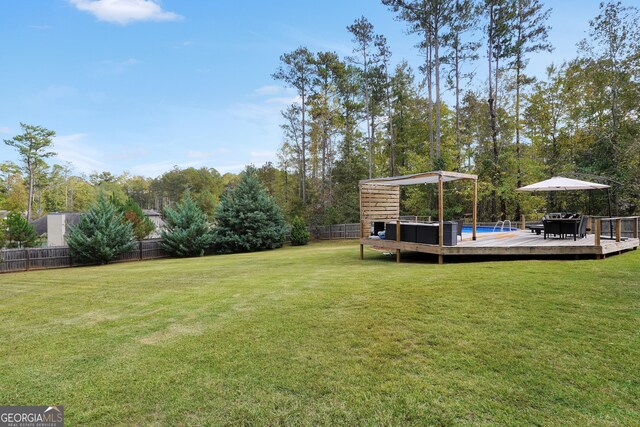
{"x":60,"y":256}
{"x":12,"y":260}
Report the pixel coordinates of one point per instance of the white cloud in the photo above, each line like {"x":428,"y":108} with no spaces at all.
{"x":195,"y":154}
{"x":75,"y":150}
{"x":52,"y":94}
{"x":280,"y":100}
{"x":270,"y":90}
{"x":118,"y":66}
{"x":5,"y":129}
{"x":130,"y":61}
{"x":279,"y":95}
{"x":125,"y":11}
{"x":264,"y":154}
{"x":182,"y":44}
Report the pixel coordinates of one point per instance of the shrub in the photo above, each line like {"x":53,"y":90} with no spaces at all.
{"x":299,"y":232}
{"x":19,"y":233}
{"x":247,"y":218}
{"x":186,"y":232}
{"x":3,"y":234}
{"x":101,"y":235}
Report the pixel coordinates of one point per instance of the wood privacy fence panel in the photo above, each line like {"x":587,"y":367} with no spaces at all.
{"x":378,"y":203}
{"x":60,"y":256}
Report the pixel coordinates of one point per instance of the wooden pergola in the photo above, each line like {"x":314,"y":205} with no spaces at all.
{"x":380,"y":201}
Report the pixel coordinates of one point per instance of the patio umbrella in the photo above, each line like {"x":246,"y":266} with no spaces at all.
{"x":558,"y":183}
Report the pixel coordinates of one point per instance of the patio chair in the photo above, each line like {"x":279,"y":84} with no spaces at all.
{"x":551,"y":227}
{"x":459,"y":230}
{"x":582,"y":227}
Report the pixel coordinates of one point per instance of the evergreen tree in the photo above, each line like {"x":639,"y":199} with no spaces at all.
{"x":530,"y":36}
{"x":296,"y":70}
{"x":101,"y":235}
{"x":248,"y":219}
{"x":299,"y":232}
{"x":187,"y":232}
{"x":19,"y":233}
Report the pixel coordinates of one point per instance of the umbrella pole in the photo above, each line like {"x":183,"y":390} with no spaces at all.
{"x":609,"y":200}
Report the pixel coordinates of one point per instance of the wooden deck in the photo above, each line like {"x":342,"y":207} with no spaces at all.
{"x":516,"y":243}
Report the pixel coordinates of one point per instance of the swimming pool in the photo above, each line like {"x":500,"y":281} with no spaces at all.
{"x":486,"y":229}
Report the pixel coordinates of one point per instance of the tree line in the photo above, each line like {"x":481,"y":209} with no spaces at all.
{"x":364,"y":116}
{"x":36,"y":188}
{"x":358,"y":117}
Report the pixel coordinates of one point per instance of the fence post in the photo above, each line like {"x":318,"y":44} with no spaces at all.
{"x":140,"y":249}
{"x":597,"y":231}
{"x":344,"y":235}
{"x":618,"y":229}
{"x":635,"y":228}
{"x":27,"y":259}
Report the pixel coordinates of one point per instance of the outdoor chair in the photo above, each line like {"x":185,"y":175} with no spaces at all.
{"x":459,"y":230}
{"x":551,"y":227}
{"x":582,"y":227}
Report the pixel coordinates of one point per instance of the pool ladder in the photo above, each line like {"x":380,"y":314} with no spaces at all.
{"x":502,"y":224}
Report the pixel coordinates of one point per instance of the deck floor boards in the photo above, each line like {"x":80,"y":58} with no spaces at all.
{"x":513,"y":243}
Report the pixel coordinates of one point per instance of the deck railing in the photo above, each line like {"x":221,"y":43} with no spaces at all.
{"x":616,"y":228}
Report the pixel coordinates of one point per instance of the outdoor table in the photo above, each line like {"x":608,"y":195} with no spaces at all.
{"x":536,"y":228}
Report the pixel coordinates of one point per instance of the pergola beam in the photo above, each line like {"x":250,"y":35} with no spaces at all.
{"x":419,"y":178}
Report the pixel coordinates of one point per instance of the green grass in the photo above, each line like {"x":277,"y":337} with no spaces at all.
{"x":314,"y":336}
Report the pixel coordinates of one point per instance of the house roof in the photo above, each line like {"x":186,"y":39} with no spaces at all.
{"x":40,"y":224}
{"x":419,"y":178}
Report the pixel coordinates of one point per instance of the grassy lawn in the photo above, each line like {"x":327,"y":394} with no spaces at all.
{"x":313,"y":336}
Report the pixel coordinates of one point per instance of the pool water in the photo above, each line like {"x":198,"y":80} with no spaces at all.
{"x":485,"y":229}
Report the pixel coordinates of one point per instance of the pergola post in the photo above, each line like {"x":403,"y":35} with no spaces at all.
{"x":475,"y":207}
{"x":361,"y":224}
{"x":398,"y":230}
{"x":440,"y":219}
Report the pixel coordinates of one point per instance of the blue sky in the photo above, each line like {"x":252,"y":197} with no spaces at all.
{"x":141,"y":86}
